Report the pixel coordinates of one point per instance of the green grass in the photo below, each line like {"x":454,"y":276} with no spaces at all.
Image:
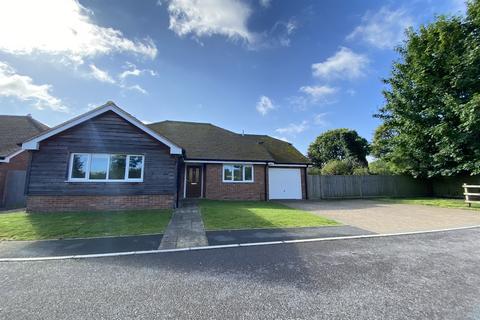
{"x":24,"y":226}
{"x":437,"y":202}
{"x":221,"y":215}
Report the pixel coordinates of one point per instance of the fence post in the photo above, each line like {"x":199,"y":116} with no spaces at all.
{"x":467,"y":196}
{"x":361,"y":186}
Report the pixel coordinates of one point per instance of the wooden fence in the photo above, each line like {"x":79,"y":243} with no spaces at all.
{"x":368,"y":186}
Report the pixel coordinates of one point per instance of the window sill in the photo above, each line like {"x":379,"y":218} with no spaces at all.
{"x":238,"y":181}
{"x":104,"y":181}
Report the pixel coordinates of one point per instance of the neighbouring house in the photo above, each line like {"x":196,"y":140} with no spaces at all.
{"x":13,"y":160}
{"x":106,"y":159}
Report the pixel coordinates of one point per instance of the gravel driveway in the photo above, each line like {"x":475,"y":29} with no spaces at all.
{"x":381,"y":217}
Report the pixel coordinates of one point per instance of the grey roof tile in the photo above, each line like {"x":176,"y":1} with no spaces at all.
{"x":16,"y":129}
{"x":209,"y":142}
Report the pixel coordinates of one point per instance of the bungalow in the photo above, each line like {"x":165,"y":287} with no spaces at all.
{"x":106,"y":159}
{"x":14,"y":130}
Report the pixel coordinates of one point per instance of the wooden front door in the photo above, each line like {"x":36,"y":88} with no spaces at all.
{"x":194,"y":182}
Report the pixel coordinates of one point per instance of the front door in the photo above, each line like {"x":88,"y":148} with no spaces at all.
{"x":194,"y":182}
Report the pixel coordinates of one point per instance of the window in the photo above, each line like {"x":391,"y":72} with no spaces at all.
{"x":98,"y":167}
{"x":237,"y":173}
{"x":79,"y":166}
{"x":117,"y":166}
{"x":135,"y":166}
{"x":106,"y":167}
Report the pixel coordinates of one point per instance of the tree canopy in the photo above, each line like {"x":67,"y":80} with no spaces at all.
{"x":431,"y":117}
{"x":338,"y":144}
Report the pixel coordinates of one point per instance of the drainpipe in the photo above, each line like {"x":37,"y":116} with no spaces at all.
{"x":178,"y":181}
{"x":306,"y":184}
{"x":265,"y":182}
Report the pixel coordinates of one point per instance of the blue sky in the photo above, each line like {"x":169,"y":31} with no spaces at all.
{"x":289,"y":69}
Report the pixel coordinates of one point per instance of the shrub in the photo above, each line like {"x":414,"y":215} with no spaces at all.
{"x":360,"y":171}
{"x":382,"y":167}
{"x":337,"y":167}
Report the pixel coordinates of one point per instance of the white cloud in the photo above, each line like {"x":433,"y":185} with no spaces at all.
{"x":133,"y":71}
{"x":265,"y":3}
{"x":318,"y":93}
{"x":344,"y":64}
{"x":128,"y":73}
{"x":23,"y":88}
{"x":383,"y":29}
{"x":293,"y":128}
{"x":279,"y":35}
{"x":210,"y":17}
{"x":101,"y":75}
{"x":264,"y":105}
{"x":63,"y":28}
{"x":319,"y":119}
{"x":136,"y":87}
{"x":281,"y":138}
{"x":313,"y":95}
{"x":104,"y":76}
{"x":91,"y":106}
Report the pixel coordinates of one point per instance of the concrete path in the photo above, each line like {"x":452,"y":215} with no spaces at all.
{"x":185,"y":229}
{"x":382,"y":217}
{"x":264,"y":235}
{"x":69,"y":247}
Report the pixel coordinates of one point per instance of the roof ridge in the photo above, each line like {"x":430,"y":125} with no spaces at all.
{"x":181,"y":121}
{"x":37,"y":124}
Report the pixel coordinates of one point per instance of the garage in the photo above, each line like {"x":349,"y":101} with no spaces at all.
{"x":284,"y":183}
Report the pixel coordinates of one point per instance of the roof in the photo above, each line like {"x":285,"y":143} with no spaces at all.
{"x":33,"y":142}
{"x":205,"y":141}
{"x":14,"y":130}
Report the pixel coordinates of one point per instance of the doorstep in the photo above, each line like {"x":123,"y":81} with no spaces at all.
{"x":221,"y":237}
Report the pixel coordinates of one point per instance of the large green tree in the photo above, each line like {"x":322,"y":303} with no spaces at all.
{"x":431,"y":118}
{"x":338,"y":144}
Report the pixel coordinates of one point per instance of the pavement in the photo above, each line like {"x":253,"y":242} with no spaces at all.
{"x":422,"y":276}
{"x":264,"y":235}
{"x":49,"y":248}
{"x":381,"y":217}
{"x":185,"y":228}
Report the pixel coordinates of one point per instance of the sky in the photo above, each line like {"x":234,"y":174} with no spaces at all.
{"x":288,"y":69}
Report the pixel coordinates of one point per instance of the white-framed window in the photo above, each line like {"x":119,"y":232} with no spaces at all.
{"x":101,"y":167}
{"x":237,"y":173}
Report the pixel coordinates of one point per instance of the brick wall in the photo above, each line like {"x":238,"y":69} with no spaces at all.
{"x":98,"y":203}
{"x":19,"y":162}
{"x":216,"y":189}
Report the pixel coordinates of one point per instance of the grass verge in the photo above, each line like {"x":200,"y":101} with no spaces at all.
{"x":221,"y":215}
{"x":24,"y":226}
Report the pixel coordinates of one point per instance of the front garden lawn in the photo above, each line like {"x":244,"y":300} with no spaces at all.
{"x":218,"y":215}
{"x":437,"y":202}
{"x":25,"y":226}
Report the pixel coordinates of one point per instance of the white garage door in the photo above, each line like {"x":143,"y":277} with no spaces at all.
{"x":284,"y":183}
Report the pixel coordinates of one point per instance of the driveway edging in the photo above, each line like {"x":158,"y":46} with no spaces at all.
{"x":129,"y":253}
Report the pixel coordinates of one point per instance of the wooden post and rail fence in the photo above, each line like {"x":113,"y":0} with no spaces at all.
{"x":471,"y":193}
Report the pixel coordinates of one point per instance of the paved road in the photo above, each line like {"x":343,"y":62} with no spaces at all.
{"x":429,"y":276}
{"x":383,"y":217}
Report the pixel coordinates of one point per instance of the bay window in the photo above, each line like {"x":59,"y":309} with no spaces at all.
{"x":237,"y":173}
{"x":106,"y":167}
